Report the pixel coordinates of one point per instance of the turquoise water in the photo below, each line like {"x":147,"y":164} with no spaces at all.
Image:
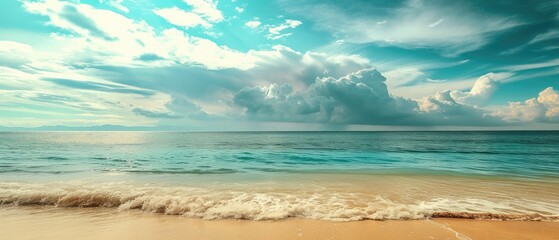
{"x":302,"y":165}
{"x":515,"y":154}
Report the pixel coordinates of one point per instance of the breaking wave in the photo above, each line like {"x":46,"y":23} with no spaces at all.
{"x":256,"y":204}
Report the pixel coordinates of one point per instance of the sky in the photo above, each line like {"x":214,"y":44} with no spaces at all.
{"x":279,"y":65}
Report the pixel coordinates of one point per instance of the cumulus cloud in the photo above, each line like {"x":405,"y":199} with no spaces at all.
{"x":358,"y":98}
{"x":363,"y":98}
{"x":482,"y":90}
{"x":443,"y":109}
{"x":285,"y":65}
{"x":544,"y":108}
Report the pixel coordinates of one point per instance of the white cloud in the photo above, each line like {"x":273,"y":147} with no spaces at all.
{"x":544,"y":108}
{"x":181,"y":18}
{"x":116,"y":4}
{"x":239,"y":9}
{"x":289,"y":23}
{"x":275,"y":32}
{"x":284,"y":65}
{"x":203,"y":13}
{"x":276,"y":37}
{"x":464,"y":106}
{"x":102,"y":37}
{"x":480,"y":93}
{"x":253,"y":24}
{"x":73,"y":17}
{"x":14,"y":53}
{"x":206,"y":8}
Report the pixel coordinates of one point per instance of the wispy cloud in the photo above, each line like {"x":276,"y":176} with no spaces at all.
{"x":181,"y":18}
{"x":522,"y":67}
{"x":207,"y":8}
{"x":116,"y":4}
{"x":151,"y":114}
{"x":97,"y":86}
{"x":452,"y":28}
{"x":275,"y":32}
{"x":253,"y":24}
{"x":432,"y":25}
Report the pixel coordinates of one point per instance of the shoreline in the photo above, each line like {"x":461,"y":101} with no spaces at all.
{"x":365,"y":199}
{"x":19,"y":223}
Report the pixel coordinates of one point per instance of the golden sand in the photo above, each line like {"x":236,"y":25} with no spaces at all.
{"x":47,"y":223}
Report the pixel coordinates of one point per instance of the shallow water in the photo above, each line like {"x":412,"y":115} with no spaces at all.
{"x":339,"y":176}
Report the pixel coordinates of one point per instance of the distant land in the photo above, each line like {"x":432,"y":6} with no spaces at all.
{"x":106,"y":127}
{"x":110,"y":127}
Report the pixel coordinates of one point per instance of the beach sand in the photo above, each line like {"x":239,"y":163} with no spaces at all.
{"x":47,"y":223}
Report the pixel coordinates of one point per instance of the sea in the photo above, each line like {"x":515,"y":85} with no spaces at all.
{"x":332,"y":176}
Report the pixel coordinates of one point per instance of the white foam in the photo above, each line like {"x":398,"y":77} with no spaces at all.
{"x":214,"y":203}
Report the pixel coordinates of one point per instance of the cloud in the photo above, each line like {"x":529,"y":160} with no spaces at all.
{"x":151,"y":114}
{"x":206,"y":8}
{"x":413,"y":83}
{"x":253,"y":24}
{"x":544,"y":108}
{"x":148,"y":57}
{"x":213,"y":89}
{"x":480,"y":93}
{"x":76,"y":18}
{"x":358,"y":98}
{"x":14,"y":53}
{"x":549,"y":35}
{"x":104,"y":37}
{"x":181,"y":18}
{"x":452,"y":27}
{"x":97,"y":86}
{"x":275,"y":32}
{"x":443,"y":109}
{"x":203,"y":13}
{"x":239,"y":9}
{"x":432,"y":25}
{"x":115,"y":69}
{"x":530,"y":66}
{"x":116,"y":4}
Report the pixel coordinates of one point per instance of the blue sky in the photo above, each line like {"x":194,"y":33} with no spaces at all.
{"x":280,"y":65}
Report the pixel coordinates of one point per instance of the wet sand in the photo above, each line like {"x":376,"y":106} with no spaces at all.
{"x":47,"y":223}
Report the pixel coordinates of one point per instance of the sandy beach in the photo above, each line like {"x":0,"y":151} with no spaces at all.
{"x":97,"y":223}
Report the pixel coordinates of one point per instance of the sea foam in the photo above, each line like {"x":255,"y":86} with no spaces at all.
{"x":253,"y":204}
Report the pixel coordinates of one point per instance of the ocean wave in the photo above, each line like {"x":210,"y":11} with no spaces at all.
{"x":255,"y":204}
